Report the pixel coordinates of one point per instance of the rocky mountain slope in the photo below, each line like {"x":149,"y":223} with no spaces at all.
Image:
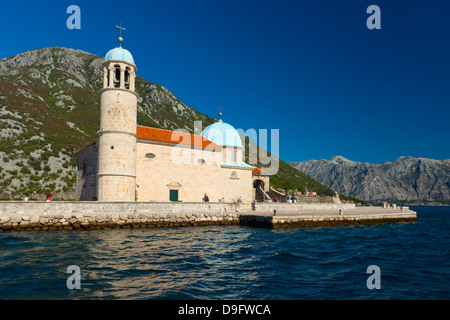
{"x":50,"y":107}
{"x":406,"y":178}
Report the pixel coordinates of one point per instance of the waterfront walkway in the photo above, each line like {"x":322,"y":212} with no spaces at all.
{"x":318,"y":218}
{"x":29,"y":216}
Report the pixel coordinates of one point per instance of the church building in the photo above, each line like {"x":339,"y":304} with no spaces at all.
{"x":130,"y":162}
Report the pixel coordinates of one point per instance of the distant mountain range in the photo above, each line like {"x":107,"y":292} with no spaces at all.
{"x":406,"y":179}
{"x":50,"y":107}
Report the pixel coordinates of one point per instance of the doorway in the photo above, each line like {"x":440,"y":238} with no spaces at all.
{"x":173,"y":196}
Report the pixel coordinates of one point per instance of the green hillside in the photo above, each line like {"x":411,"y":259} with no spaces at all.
{"x":289,"y":178}
{"x":50,"y":107}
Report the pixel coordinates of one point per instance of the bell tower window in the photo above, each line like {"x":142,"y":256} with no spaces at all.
{"x":127,"y":78}
{"x":116,"y":76}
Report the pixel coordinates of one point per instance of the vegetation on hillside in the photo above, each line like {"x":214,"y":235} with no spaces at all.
{"x":289,"y":178}
{"x":50,"y":107}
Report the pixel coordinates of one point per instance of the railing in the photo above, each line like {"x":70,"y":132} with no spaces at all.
{"x":261,"y":195}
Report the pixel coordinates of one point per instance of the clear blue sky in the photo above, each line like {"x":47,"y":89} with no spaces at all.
{"x":311,"y":69}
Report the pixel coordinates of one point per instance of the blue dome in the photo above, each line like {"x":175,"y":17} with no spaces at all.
{"x":223,"y":134}
{"x":119,"y":54}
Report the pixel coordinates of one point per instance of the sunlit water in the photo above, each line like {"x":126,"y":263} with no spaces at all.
{"x":232,"y":262}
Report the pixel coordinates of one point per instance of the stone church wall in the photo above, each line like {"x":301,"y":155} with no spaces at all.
{"x":161,"y":168}
{"x":167,"y":171}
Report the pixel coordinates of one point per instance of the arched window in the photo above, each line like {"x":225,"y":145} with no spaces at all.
{"x":234,"y":175}
{"x":116,"y":76}
{"x":127,"y":78}
{"x":258,"y":183}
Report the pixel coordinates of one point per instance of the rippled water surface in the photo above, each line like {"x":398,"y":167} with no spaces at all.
{"x":232,"y":262}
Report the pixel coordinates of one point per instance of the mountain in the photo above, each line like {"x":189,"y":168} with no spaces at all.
{"x":50,"y":107}
{"x":405,"y":179}
{"x":287,"y":177}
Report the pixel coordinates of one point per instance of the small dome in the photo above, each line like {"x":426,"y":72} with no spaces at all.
{"x":223,"y":134}
{"x":119,"y":53}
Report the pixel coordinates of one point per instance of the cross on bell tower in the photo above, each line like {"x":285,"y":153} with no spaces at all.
{"x":120,"y":39}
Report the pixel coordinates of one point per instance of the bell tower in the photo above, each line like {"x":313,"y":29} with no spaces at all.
{"x":117,"y":135}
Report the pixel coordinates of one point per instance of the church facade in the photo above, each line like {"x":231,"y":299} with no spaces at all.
{"x":130,"y":162}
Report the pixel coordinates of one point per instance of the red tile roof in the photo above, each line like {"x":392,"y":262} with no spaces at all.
{"x":261,"y":172}
{"x":175,"y":137}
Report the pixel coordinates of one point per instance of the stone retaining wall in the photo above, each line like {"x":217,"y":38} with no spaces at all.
{"x":261,"y":221}
{"x":67,"y":207}
{"x":114,"y":221}
{"x":89,"y":207}
{"x":17,"y":215}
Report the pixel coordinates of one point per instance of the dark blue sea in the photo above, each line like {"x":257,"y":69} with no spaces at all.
{"x":232,"y":262}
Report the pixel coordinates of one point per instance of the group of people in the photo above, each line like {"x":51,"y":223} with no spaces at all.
{"x":291,"y":199}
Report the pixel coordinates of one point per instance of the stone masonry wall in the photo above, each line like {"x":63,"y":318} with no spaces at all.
{"x":177,"y":168}
{"x":113,"y":221}
{"x":42,"y":215}
{"x":302,"y":221}
{"x":117,"y":145}
{"x":96,"y":207}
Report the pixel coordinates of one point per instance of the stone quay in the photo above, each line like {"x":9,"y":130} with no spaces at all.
{"x":71,"y":215}
{"x":327,"y":218}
